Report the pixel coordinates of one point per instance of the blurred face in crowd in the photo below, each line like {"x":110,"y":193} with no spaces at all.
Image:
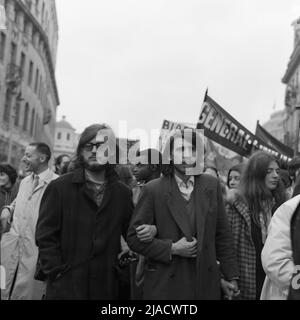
{"x":33,"y":160}
{"x":4,"y":180}
{"x":89,"y":152}
{"x":142,"y":170}
{"x":64,"y":161}
{"x":234,"y":179}
{"x":272,"y":176}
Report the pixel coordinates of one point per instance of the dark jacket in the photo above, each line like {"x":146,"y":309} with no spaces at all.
{"x":8,"y":196}
{"x":296,"y":190}
{"x":78,"y":241}
{"x":168,"y":277}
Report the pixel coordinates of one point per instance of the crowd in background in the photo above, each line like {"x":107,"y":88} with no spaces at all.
{"x":144,"y":230}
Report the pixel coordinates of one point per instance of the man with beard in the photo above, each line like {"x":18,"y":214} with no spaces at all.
{"x":82,"y":217}
{"x":19,"y":252}
{"x":192,"y":229}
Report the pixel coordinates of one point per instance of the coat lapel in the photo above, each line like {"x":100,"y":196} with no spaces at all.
{"x":177,"y":208}
{"x":44,"y":182}
{"x":203,"y":201}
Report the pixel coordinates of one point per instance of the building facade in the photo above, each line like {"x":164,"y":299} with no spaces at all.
{"x":28,"y":90}
{"x":292,"y":99}
{"x":276,"y":126}
{"x":66,"y":139}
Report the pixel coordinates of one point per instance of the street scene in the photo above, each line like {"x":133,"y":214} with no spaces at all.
{"x":149,"y":151}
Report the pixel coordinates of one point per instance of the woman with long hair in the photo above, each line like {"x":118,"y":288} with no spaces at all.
{"x":249,"y":213}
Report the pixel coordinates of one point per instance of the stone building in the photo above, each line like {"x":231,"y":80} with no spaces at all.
{"x":28,"y":90}
{"x":66,"y":139}
{"x":292,"y":98}
{"x":276,"y":125}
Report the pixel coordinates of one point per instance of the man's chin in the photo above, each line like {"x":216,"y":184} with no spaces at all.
{"x":95,"y":167}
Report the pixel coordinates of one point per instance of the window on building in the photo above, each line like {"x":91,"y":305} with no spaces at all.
{"x":29,"y":3}
{"x":22,"y":63}
{"x":26,"y":113}
{"x":32,"y":121}
{"x":37,"y":121}
{"x":13,"y":53}
{"x":58,"y":135}
{"x":2,"y":45}
{"x":40,"y":88}
{"x":30,"y":73}
{"x":43,"y":12}
{"x":7,"y":107}
{"x":37,"y":5}
{"x":68,"y":136}
{"x":17,"y":114}
{"x":36,"y":80}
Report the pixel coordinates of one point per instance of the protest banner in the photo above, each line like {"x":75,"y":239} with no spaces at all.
{"x":222,"y":128}
{"x":264,"y":135}
{"x":167,"y":130}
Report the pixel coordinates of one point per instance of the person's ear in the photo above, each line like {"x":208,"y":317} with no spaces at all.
{"x":43,"y":158}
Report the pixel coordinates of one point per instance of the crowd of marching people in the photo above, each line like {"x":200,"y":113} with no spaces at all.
{"x":153,"y":229}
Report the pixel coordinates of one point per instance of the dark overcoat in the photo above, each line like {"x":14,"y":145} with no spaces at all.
{"x":174,"y":277}
{"x":79,"y":241}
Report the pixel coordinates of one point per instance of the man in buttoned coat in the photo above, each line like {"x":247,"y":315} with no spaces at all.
{"x":192,"y":230}
{"x":82,"y":217}
{"x":19,"y":253}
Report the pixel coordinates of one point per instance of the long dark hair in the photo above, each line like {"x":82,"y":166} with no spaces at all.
{"x":167,"y":161}
{"x":88,"y":134}
{"x":253,"y":187}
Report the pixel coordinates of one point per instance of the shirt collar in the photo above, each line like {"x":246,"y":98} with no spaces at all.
{"x":42,"y":175}
{"x":190,"y":181}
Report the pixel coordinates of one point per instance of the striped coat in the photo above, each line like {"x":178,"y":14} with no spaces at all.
{"x":240,"y":223}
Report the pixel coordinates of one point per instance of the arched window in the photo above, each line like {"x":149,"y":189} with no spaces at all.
{"x":43,"y":12}
{"x":26,"y":113}
{"x":17,"y":115}
{"x":7,"y":106}
{"x":32,"y":121}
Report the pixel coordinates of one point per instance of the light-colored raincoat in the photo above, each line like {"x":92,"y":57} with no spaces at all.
{"x":277,"y":256}
{"x":18,"y":248}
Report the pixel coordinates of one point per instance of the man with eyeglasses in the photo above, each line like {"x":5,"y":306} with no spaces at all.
{"x":82,"y":217}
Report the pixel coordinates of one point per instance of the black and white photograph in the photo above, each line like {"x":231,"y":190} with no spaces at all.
{"x":149,"y":151}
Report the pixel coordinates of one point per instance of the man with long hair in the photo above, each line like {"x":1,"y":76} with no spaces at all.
{"x":82,"y":217}
{"x":192,"y":231}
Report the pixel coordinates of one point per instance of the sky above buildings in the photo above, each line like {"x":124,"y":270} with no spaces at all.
{"x":144,"y":61}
